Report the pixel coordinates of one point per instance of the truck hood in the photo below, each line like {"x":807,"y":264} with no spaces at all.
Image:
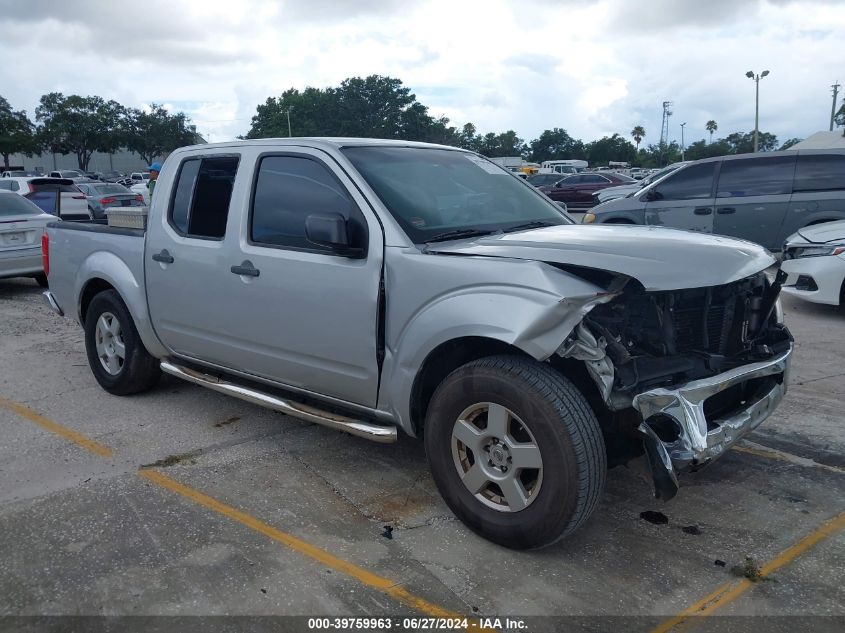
{"x":659,"y":258}
{"x":825,"y":232}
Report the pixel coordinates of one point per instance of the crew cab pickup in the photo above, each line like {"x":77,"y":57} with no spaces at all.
{"x":373,"y":286}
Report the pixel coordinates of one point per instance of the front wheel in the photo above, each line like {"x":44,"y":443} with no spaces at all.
{"x":116,"y":355}
{"x":515,"y":451}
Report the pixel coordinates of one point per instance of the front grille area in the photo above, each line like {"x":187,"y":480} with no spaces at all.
{"x":706,"y":331}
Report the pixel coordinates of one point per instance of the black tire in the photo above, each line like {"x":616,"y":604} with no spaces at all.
{"x":139,"y":371}
{"x":564,"y":427}
{"x":42,"y":280}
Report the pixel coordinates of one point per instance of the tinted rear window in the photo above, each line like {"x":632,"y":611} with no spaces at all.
{"x":756,"y":177}
{"x":820,"y":173}
{"x":54,"y":187}
{"x":111,"y":189}
{"x":13,"y":204}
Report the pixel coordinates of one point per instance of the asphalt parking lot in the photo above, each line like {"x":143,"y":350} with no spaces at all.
{"x":182,"y":501}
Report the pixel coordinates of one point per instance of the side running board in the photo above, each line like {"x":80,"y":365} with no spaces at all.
{"x":367,"y":430}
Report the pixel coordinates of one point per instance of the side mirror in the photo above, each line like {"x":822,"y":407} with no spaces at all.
{"x":329,"y":229}
{"x":652,"y":195}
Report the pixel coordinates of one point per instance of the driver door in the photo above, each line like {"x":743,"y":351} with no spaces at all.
{"x":684,"y":200}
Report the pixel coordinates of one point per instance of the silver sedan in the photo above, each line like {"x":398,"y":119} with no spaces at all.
{"x":22,"y":224}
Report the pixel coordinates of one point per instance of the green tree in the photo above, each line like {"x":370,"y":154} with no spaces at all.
{"x":468,"y":138}
{"x":556,"y":144}
{"x":711,"y":126}
{"x":156,"y":132}
{"x":504,"y":144}
{"x":743,"y":143}
{"x":790,"y":143}
{"x":610,"y":148}
{"x":703,"y":149}
{"x":638,"y":133}
{"x":79,"y":125}
{"x":375,"y":106}
{"x":16,"y":133}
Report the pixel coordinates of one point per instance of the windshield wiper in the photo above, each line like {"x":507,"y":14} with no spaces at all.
{"x":458,"y":234}
{"x":536,"y":224}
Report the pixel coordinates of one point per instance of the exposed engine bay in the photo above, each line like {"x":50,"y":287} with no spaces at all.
{"x":659,"y":339}
{"x":701,"y":367}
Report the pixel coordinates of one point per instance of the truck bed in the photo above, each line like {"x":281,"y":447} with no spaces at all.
{"x":80,"y":251}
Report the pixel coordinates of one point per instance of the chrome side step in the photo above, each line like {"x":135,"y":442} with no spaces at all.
{"x":367,"y":430}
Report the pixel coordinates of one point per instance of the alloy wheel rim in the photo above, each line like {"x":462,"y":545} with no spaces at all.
{"x":496,"y":456}
{"x":108,"y":339}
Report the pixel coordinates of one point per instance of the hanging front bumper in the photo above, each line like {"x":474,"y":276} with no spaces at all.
{"x":679,"y":431}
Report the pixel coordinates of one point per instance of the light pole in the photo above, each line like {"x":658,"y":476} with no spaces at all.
{"x":836,"y":88}
{"x":682,"y":139}
{"x":750,"y":74}
{"x":287,"y":112}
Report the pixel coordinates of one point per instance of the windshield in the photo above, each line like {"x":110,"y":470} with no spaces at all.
{"x":13,"y":204}
{"x":70,"y":174}
{"x":433,"y":191}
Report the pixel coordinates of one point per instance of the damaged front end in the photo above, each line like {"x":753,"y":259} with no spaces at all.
{"x":702,"y":367}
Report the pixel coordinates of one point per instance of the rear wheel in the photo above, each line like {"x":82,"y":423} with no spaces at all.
{"x":116,"y":355}
{"x":515,"y":451}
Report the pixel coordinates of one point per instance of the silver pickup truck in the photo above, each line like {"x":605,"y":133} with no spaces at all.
{"x":372,"y":285}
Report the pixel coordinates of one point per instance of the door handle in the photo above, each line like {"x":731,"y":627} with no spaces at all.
{"x":164,"y":257}
{"x":703,"y":211}
{"x":726,"y":210}
{"x":246,"y":268}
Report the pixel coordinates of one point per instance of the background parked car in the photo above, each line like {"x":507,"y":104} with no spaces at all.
{"x":577,"y":190}
{"x":539,"y":180}
{"x":140,"y":176}
{"x":70,"y":174}
{"x":22,"y":224}
{"x":143,"y":190}
{"x":762,"y":198}
{"x":611,"y":193}
{"x":814,"y":259}
{"x":103,"y":195}
{"x":20,"y":173}
{"x":57,"y":196}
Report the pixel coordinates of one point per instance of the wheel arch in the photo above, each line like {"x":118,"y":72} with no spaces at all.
{"x":442,"y":361}
{"x":105,"y":271}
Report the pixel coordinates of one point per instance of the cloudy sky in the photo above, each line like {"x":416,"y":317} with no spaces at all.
{"x":593,"y":67}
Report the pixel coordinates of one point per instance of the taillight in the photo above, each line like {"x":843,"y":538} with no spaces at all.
{"x":108,"y":200}
{"x":139,"y":198}
{"x":45,"y":253}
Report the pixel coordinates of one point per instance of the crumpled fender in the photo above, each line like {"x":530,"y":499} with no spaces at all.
{"x":535,"y":316}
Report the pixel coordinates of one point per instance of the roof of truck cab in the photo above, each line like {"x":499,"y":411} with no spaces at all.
{"x":319,"y":142}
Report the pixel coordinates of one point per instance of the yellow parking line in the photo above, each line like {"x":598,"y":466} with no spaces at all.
{"x":54,"y":427}
{"x":773,"y":453}
{"x":730,"y":591}
{"x":384,"y":585}
{"x":313,"y":552}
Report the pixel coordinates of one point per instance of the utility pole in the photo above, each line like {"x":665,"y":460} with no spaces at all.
{"x":682,"y":139}
{"x":288,"y":113}
{"x":757,"y":78}
{"x":836,"y":88}
{"x":664,"y":128}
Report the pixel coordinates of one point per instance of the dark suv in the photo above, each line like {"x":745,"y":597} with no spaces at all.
{"x":762,"y":198}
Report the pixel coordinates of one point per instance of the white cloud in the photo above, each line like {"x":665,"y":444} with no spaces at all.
{"x":592,"y":67}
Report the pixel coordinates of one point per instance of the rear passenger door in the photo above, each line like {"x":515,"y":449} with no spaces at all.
{"x":818,"y":193}
{"x":187,"y":259}
{"x":752,"y":198}
{"x":683,"y":200}
{"x":307,"y":316}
